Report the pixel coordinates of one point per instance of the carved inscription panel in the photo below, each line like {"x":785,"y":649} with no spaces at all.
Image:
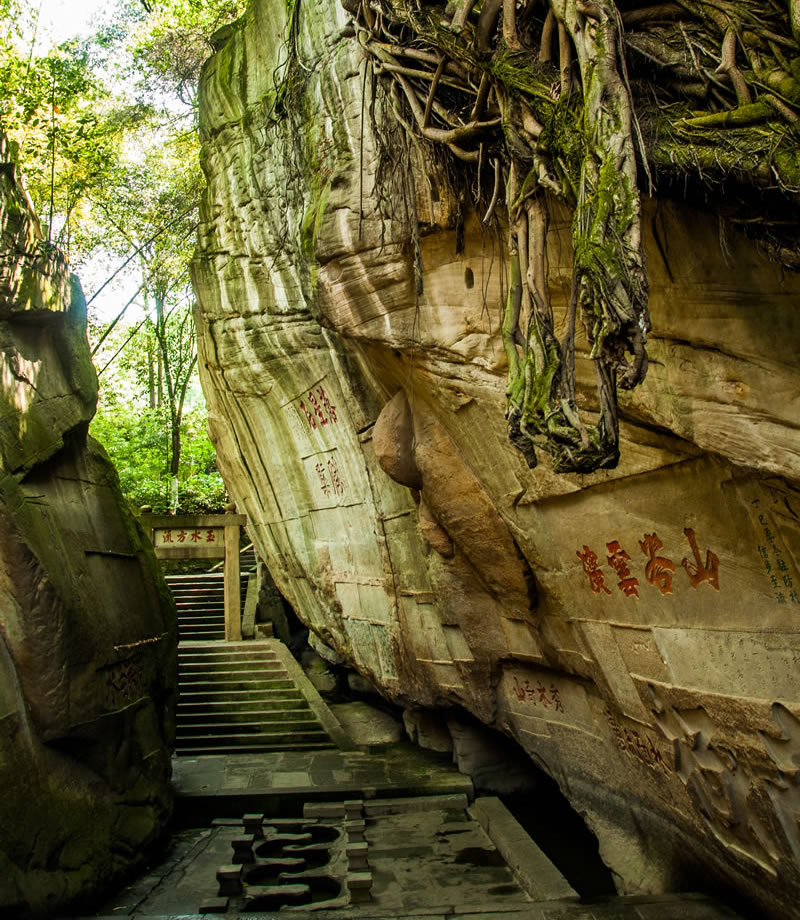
{"x":658,"y":570}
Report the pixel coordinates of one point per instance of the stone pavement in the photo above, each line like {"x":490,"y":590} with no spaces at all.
{"x":405,"y":840}
{"x":427,"y":858}
{"x":280,"y":783}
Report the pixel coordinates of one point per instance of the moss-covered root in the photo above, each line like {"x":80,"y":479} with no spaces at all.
{"x":609,"y":262}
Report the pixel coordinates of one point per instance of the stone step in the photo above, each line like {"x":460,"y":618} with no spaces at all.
{"x":187,"y":602}
{"x":205,"y":717}
{"x":273,"y":689}
{"x":201,"y":635}
{"x":191,"y":590}
{"x":276,"y":740}
{"x":188,"y":632}
{"x":187,"y":673}
{"x":224,"y":653}
{"x":276,"y":698}
{"x":189,"y":656}
{"x":292,"y":728}
{"x":200,"y":597}
{"x":234,"y":663}
{"x":227,"y":686}
{"x":201,"y":750}
{"x":199,"y":620}
{"x":199,"y":614}
{"x":223,"y":680}
{"x":197,"y":578}
{"x":240,"y":698}
{"x":215,"y":590}
{"x":200,"y":594}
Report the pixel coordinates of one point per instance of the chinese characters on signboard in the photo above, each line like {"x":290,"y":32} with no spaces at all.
{"x":174,"y":538}
{"x":658,"y":570}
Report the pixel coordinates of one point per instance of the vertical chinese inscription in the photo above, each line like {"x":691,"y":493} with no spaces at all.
{"x":330,"y":480}
{"x":659,"y":569}
{"x":775,"y":566}
{"x":318,"y":408}
{"x":698,"y":572}
{"x":596,"y":578}
{"x":637,"y":743}
{"x":618,"y":559}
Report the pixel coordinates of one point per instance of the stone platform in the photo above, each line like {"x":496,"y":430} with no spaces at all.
{"x":432,"y":857}
{"x":348,"y":834}
{"x":279,"y":784}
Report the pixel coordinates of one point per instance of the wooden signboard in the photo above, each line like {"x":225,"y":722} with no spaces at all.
{"x":203,"y":536}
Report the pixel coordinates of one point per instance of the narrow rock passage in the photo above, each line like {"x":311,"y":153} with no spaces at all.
{"x":338,"y":832}
{"x":279,"y":812}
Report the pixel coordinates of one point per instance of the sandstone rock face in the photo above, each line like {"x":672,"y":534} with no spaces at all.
{"x":87,"y":627}
{"x":635,"y":630}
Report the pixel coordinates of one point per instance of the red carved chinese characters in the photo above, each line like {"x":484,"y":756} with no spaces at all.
{"x":336,"y":479}
{"x":323,"y":480}
{"x":618,"y":559}
{"x":595,"y":576}
{"x":659,"y":569}
{"x":539,"y":695}
{"x":697,"y":572}
{"x":319,"y":409}
{"x":330,"y":480}
{"x":519,"y":691}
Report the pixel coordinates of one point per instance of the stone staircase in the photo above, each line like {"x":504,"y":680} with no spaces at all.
{"x":200,"y":600}
{"x":243,"y":697}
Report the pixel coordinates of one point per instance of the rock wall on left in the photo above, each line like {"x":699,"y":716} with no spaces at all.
{"x":87,"y":625}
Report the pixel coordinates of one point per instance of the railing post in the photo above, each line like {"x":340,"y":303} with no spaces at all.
{"x":233,"y":596}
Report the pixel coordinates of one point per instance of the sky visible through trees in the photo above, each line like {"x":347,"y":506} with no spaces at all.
{"x":100,"y":101}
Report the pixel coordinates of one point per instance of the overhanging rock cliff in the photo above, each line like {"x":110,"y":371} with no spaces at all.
{"x":635,"y":629}
{"x":87,"y":626}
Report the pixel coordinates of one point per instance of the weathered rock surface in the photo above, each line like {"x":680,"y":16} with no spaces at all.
{"x":366,"y":725}
{"x":635,"y":630}
{"x":87,"y":627}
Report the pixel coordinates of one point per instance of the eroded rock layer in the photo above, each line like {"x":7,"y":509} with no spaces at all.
{"x":636,"y":629}
{"x":87,"y":634}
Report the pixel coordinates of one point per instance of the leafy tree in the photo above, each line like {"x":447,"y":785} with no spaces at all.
{"x":118,"y":173}
{"x":152,"y":209}
{"x":173,"y":40}
{"x":56,"y":109}
{"x":137,"y":439}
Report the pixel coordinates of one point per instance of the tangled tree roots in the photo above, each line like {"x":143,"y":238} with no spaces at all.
{"x":581,"y":99}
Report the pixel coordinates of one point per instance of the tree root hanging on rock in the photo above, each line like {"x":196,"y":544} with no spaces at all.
{"x":579,"y":100}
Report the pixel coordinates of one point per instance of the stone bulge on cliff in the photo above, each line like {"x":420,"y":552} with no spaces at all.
{"x":87,"y":626}
{"x":635,"y":629}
